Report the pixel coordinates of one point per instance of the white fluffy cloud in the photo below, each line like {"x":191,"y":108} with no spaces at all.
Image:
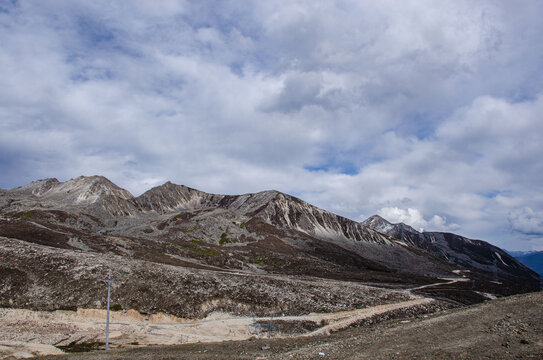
{"x":356,"y":106}
{"x":526,"y":221}
{"x":415,"y":219}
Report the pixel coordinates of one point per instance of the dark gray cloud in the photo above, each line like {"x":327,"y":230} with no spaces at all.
{"x":425,"y":111}
{"x":299,"y":90}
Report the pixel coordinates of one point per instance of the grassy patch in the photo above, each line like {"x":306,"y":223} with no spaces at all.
{"x":267,"y":261}
{"x":116,"y":307}
{"x":225,"y":239}
{"x":201,"y":251}
{"x":260,"y":260}
{"x":177,"y":246}
{"x":196,"y":241}
{"x":242,"y":225}
{"x":26,"y":215}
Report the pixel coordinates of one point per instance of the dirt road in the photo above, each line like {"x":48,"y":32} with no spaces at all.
{"x":448,"y":281}
{"x":25,"y":332}
{"x":507,"y":328}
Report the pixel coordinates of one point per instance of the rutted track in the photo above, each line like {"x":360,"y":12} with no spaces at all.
{"x":26,"y":332}
{"x":356,"y":315}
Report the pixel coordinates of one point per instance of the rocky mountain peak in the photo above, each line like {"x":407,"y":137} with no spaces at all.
{"x":290,"y":212}
{"x":375,"y":220}
{"x":85,"y":188}
{"x":378,"y":223}
{"x":39,"y":187}
{"x":455,"y":249}
{"x":171,"y":197}
{"x":89,"y":189}
{"x":96,"y":194}
{"x":384,"y":226}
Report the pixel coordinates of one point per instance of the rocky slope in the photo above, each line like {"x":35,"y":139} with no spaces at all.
{"x":508,"y":328}
{"x":94,"y":193}
{"x":246,"y":250}
{"x":274,"y":207}
{"x":475,"y":255}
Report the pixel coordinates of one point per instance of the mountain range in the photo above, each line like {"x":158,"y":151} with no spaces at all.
{"x":187,"y":252}
{"x":532,"y":259}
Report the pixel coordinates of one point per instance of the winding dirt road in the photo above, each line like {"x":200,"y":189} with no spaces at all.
{"x":25,"y":332}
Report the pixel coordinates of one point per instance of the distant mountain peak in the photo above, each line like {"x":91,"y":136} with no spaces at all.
{"x":92,"y":177}
{"x":376,"y":219}
{"x":380,"y":224}
{"x":39,"y":187}
{"x":171,"y":197}
{"x":83,"y":189}
{"x":455,"y":249}
{"x":91,"y":188}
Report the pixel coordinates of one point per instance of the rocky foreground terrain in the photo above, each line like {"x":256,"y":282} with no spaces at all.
{"x":191,"y":255}
{"x":507,"y":328}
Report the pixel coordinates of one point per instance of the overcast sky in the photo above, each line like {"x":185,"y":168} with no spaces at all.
{"x":426,"y":112}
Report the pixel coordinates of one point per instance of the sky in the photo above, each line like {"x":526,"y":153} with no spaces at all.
{"x":424,"y":112}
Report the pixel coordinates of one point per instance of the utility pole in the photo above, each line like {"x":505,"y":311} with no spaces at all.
{"x":108,"y":282}
{"x":255,"y":325}
{"x":270,"y":327}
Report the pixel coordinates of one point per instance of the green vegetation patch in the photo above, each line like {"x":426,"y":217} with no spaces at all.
{"x":225,"y":239}
{"x":268,"y":261}
{"x":260,"y":260}
{"x":26,"y":215}
{"x":116,"y":307}
{"x":201,"y":251}
{"x":175,"y":246}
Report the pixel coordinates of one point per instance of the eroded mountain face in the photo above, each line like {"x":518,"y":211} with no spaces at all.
{"x":172,"y":231}
{"x":480,"y":257}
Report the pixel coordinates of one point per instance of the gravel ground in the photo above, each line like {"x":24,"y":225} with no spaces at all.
{"x":507,"y":328}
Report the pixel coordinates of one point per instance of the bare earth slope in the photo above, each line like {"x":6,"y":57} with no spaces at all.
{"x":507,"y":328}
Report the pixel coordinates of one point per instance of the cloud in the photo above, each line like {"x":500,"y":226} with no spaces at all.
{"x":526,"y":221}
{"x":353,"y":106}
{"x":414,"y":218}
{"x":299,"y":90}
